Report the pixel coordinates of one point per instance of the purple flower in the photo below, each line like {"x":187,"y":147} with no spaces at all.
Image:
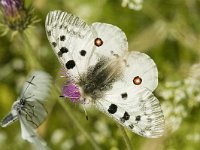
{"x":15,"y":15}
{"x":71,"y":91}
{"x":12,"y":8}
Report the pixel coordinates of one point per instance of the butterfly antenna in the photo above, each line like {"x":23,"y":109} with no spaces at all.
{"x":85,"y":112}
{"x":30,"y":83}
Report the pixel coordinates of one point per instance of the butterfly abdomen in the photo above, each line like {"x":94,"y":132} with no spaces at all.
{"x":99,"y":78}
{"x":10,"y":118}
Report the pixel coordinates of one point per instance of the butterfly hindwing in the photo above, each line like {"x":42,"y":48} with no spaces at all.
{"x":139,"y":110}
{"x":72,"y":40}
{"x":29,"y":134}
{"x":140,"y":71}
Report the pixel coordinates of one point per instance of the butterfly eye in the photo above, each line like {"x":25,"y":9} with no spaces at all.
{"x":137,"y":80}
{"x":98,"y":42}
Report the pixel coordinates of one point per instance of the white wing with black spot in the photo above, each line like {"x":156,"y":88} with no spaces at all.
{"x":37,"y":86}
{"x":78,"y":45}
{"x":135,"y":108}
{"x":71,"y":39}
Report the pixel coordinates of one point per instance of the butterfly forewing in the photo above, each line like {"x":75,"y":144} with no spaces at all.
{"x":34,"y":113}
{"x":72,"y":40}
{"x":111,"y":42}
{"x":36,"y":87}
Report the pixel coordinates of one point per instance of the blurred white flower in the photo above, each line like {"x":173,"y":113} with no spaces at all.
{"x":133,"y":4}
{"x":195,"y":137}
{"x":102,"y":128}
{"x":3,"y":137}
{"x":81,"y":139}
{"x":180,"y":97}
{"x":57,"y":136}
{"x":67,"y":144}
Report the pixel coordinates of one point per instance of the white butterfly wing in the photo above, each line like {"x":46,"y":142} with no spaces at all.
{"x":140,"y":71}
{"x":37,"y":86}
{"x":72,"y":41}
{"x":137,"y":109}
{"x":29,"y":134}
{"x":111,"y":42}
{"x":34,"y":112}
{"x":31,"y":116}
{"x":136,"y":64}
{"x":131,"y":97}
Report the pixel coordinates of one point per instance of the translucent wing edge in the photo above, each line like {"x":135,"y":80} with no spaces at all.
{"x":28,"y":133}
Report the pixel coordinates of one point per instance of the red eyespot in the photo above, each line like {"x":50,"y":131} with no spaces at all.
{"x":98,"y":42}
{"x":137,"y":80}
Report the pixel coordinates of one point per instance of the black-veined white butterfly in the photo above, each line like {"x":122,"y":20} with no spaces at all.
{"x":29,"y":108}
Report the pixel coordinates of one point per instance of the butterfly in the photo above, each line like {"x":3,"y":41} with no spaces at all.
{"x":29,"y":108}
{"x":104,"y":73}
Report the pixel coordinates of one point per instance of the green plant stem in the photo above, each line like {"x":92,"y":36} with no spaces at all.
{"x":77,"y":124}
{"x":125,"y":137}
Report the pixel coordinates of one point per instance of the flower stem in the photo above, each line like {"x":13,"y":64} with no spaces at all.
{"x":125,"y":137}
{"x":77,"y":124}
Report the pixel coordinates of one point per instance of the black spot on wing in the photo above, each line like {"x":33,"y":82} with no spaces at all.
{"x":62,"y":50}
{"x":138,"y":118}
{"x":49,"y":33}
{"x":54,"y":44}
{"x":112,"y":109}
{"x":125,"y":117}
{"x":131,"y":126}
{"x":83,"y":52}
{"x":124,"y":95}
{"x":62,"y":38}
{"x":70,"y":64}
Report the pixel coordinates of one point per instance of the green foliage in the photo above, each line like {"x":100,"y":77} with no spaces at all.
{"x":169,"y":31}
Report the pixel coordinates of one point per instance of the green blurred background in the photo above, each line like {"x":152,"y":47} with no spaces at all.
{"x":168,"y":31}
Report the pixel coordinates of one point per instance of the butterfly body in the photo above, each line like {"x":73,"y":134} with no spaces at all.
{"x":99,"y":78}
{"x":101,"y":70}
